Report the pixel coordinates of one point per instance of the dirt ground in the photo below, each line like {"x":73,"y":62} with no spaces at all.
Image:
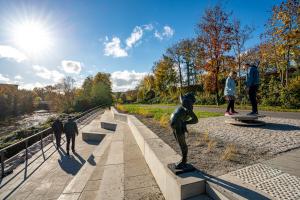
{"x":208,"y":154}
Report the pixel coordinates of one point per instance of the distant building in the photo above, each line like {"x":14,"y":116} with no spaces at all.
{"x":8,"y":87}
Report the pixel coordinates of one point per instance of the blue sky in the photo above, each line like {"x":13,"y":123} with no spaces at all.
{"x":79,"y":38}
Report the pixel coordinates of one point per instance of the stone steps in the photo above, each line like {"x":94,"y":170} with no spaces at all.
{"x":86,"y":182}
{"x":95,"y":131}
{"x":119,"y":171}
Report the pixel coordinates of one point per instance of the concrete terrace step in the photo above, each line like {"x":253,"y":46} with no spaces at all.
{"x":119,"y":172}
{"x":89,"y":177}
{"x":107,"y":122}
{"x":94,"y":132}
{"x":112,"y":184}
{"x":74,"y":189}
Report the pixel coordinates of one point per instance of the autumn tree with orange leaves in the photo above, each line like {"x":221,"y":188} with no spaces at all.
{"x":215,"y":34}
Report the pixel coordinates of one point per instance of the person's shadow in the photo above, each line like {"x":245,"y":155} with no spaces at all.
{"x":69,"y":163}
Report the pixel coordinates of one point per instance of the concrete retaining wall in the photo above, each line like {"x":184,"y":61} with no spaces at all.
{"x":158,"y":155}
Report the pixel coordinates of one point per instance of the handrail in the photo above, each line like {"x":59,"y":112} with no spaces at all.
{"x":48,"y":129}
{"x":25,"y":140}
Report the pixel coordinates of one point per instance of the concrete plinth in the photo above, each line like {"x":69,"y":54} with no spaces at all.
{"x":108,"y":126}
{"x":92,"y":136}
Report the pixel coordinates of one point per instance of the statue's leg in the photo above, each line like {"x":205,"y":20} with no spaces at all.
{"x":175,"y":134}
{"x":183,"y":146}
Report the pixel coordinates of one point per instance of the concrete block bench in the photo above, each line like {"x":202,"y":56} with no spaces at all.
{"x":108,"y":126}
{"x":92,"y":136}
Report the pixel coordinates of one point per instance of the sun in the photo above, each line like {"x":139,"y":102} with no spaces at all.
{"x":31,"y":36}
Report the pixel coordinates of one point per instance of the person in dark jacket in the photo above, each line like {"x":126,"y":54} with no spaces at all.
{"x":182,"y":116}
{"x":252,"y":84}
{"x":57,"y":128}
{"x":70,"y":129}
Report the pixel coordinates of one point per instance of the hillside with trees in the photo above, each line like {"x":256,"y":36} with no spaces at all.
{"x":62,"y":97}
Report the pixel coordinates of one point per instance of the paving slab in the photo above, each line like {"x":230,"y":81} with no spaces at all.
{"x":273,"y":179}
{"x":112,"y":183}
{"x":287,"y":162}
{"x":139,"y":182}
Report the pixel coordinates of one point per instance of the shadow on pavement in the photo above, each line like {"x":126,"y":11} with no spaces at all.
{"x":279,"y":127}
{"x":69,"y":163}
{"x":91,"y":160}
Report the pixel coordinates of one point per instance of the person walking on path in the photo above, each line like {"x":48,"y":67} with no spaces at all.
{"x":229,"y":93}
{"x":70,"y":129}
{"x":57,"y":128}
{"x":182,"y":116}
{"x":252,"y":84}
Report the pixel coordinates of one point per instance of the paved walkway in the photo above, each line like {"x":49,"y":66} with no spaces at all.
{"x":46,"y":178}
{"x":287,"y":162}
{"x":278,"y":178}
{"x":119,"y":172}
{"x":139,"y":182}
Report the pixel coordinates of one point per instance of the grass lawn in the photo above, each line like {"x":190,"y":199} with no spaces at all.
{"x":158,"y":113}
{"x":241,"y":107}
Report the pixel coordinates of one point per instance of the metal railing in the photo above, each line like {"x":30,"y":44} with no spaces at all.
{"x":47,"y":133}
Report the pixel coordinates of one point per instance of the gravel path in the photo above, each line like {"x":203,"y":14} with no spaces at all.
{"x":277,"y":136}
{"x":251,"y":144}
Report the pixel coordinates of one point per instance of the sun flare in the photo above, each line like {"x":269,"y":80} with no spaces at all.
{"x":31,"y":36}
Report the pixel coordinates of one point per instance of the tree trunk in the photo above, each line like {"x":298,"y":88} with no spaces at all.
{"x":287,"y":66}
{"x":180,"y":76}
{"x":188,"y":73}
{"x":239,"y":66}
{"x":216,"y":84}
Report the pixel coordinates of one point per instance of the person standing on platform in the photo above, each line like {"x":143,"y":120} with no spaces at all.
{"x":229,"y":93}
{"x":252,"y":84}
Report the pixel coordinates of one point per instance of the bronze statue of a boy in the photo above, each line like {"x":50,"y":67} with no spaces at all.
{"x":182,"y":116}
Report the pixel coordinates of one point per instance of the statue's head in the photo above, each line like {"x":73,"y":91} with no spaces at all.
{"x":188,"y":100}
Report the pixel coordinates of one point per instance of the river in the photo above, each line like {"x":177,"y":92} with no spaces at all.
{"x":25,"y":121}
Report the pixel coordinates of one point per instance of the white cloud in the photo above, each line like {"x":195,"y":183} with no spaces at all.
{"x":18,"y":77}
{"x":45,"y":73}
{"x":126,"y":80}
{"x":4,"y":79}
{"x":114,"y":49}
{"x":158,"y":35}
{"x":11,"y":53}
{"x":30,"y":86}
{"x":148,"y":27}
{"x":167,"y":32}
{"x":72,"y":67}
{"x":135,"y":36}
